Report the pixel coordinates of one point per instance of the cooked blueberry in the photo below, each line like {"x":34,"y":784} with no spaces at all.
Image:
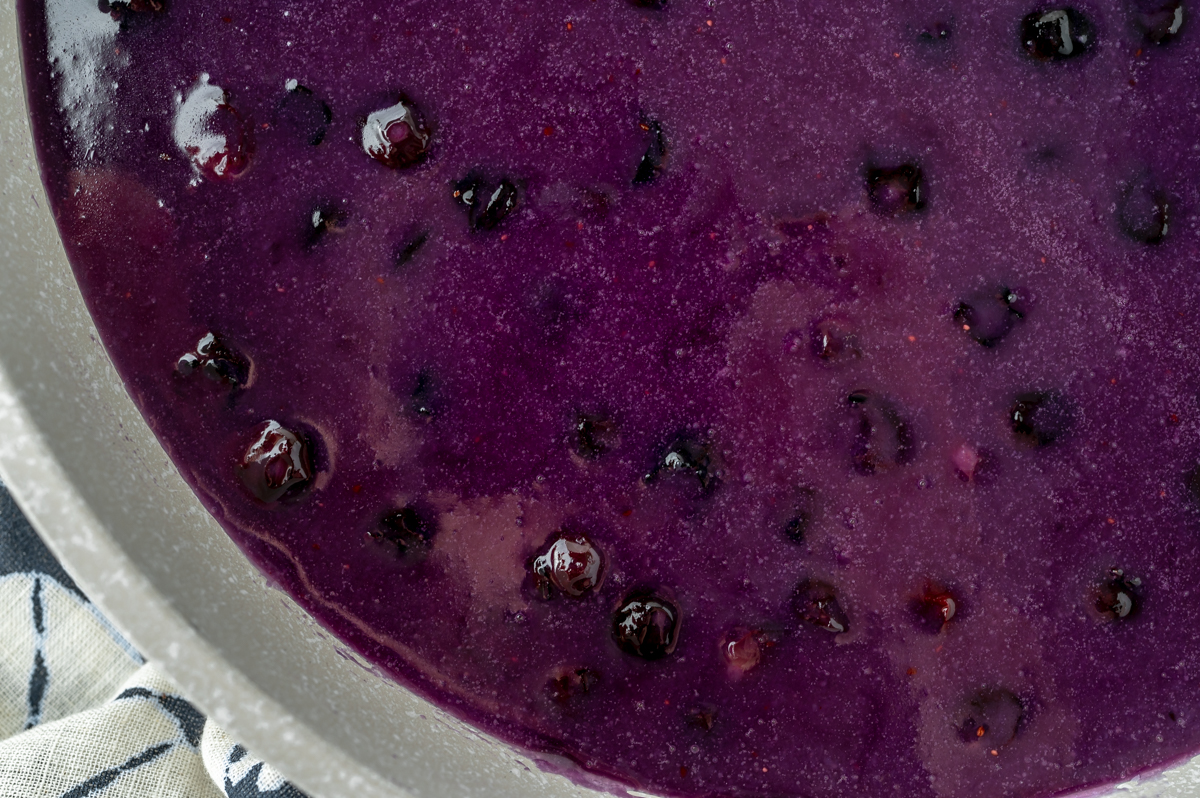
{"x":896,"y":191}
{"x":467,"y":191}
{"x":1056,"y":34}
{"x":411,"y":246}
{"x":882,"y":438}
{"x":988,"y":316}
{"x":969,"y":461}
{"x":216,"y":359}
{"x":303,"y":115}
{"x":834,"y":340}
{"x":396,"y":136}
{"x":702,"y":717}
{"x":487,"y":206}
{"x":277,"y":464}
{"x":1040,"y":419}
{"x":816,"y":603}
{"x":325,"y":218}
{"x":425,"y":400}
{"x":936,"y":31}
{"x":657,"y":5}
{"x":212,"y":133}
{"x":646,"y":626}
{"x":407,"y":529}
{"x":741,"y":651}
{"x":1117,"y":596}
{"x":595,"y":435}
{"x":800,"y":516}
{"x":500,"y":203}
{"x":567,"y":683}
{"x":1160,"y":24}
{"x":571,"y":564}
{"x":556,"y":310}
{"x":654,"y":159}
{"x":1193,"y":485}
{"x":933,"y":608}
{"x":990,"y":719}
{"x":687,"y":457}
{"x":1143,"y":212}
{"x":116,"y":8}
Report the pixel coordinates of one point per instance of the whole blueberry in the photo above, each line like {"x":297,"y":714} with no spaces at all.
{"x":646,"y":625}
{"x":570,"y":564}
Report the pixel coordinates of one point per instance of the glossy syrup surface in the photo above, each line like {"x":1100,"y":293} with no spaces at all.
{"x":784,"y":399}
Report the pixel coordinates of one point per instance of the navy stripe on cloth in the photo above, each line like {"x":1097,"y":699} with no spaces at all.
{"x":21,"y":550}
{"x":189,"y":719}
{"x":39,"y":676}
{"x":107,"y":777}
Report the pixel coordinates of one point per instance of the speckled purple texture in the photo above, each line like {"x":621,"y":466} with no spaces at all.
{"x":451,"y":376}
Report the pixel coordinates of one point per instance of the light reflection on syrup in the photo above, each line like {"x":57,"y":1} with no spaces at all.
{"x":87,"y":64}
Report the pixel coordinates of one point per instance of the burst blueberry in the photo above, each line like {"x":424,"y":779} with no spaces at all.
{"x":882,"y":438}
{"x":396,"y":136}
{"x":567,"y":683}
{"x":988,"y":316}
{"x":1041,"y":418}
{"x":1144,"y":212}
{"x":216,"y":359}
{"x":595,"y":435}
{"x":487,"y":205}
{"x":408,"y":529}
{"x":654,"y":158}
{"x":212,"y":133}
{"x":687,"y":457}
{"x":325,"y":218}
{"x":409,"y":248}
{"x":302,"y":115}
{"x":834,"y":340}
{"x":933,"y":608}
{"x":816,"y":603}
{"x":896,"y":190}
{"x":800,"y":515}
{"x":277,"y":465}
{"x":990,"y":719}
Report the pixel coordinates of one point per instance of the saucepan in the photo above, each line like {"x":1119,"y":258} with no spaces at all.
{"x":96,"y":484}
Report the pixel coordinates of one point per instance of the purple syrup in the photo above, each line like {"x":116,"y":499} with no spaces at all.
{"x":780,"y":400}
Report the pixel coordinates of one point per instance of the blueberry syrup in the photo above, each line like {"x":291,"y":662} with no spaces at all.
{"x":774,"y":401}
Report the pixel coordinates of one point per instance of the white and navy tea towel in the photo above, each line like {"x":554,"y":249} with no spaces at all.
{"x":82,"y":715}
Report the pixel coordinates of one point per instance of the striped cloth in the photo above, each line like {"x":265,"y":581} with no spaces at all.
{"x":82,"y":714}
